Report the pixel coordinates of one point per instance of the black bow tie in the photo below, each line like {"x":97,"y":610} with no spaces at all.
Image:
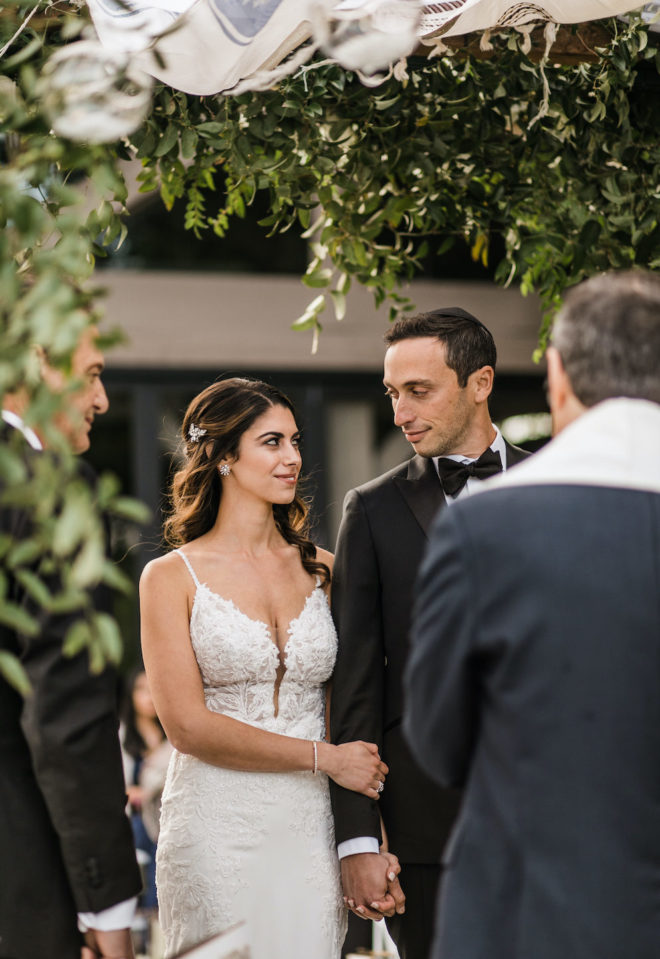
{"x":454,"y":475}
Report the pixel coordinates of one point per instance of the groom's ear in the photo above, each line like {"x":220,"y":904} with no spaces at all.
{"x":481,"y":383}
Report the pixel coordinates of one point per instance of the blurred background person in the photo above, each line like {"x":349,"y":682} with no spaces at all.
{"x":146,"y":753}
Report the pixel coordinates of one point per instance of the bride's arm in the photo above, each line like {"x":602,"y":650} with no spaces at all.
{"x":177,"y":690}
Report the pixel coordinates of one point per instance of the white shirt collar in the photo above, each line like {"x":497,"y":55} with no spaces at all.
{"x":13,"y":420}
{"x":498,"y":446}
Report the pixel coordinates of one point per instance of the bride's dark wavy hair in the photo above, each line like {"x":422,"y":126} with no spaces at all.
{"x":224,"y":411}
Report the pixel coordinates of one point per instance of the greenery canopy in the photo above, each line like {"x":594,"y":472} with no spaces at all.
{"x":463,"y":147}
{"x":563,"y":161}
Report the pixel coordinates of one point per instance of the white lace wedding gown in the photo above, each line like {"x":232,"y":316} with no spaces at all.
{"x":247,"y":845}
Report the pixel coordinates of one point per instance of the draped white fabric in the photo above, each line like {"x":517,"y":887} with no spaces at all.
{"x":213,"y":46}
{"x":206,"y":46}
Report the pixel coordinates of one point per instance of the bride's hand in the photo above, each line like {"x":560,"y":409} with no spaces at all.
{"x":355,"y":766}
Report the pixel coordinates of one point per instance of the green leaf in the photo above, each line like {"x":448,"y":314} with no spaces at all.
{"x":129,"y":509}
{"x":68,"y":601}
{"x":71,"y":526}
{"x":12,"y":468}
{"x":88,"y":566}
{"x":24,"y":553}
{"x":211,"y":126}
{"x":339,"y":302}
{"x":109,"y":637}
{"x":77,"y":638}
{"x":14,"y":673}
{"x":34,"y":586}
{"x":146,"y":149}
{"x":167,"y":140}
{"x":304,"y":322}
{"x":309,"y":318}
{"x":319,"y":278}
{"x":114,"y":577}
{"x":17,"y":619}
{"x":359,"y":253}
{"x":189,"y":140}
{"x":589,"y":233}
{"x":28,"y":51}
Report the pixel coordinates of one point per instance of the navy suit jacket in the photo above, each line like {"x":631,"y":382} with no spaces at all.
{"x":534,"y":684}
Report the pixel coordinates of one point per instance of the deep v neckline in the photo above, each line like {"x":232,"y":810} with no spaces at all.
{"x":281,"y":653}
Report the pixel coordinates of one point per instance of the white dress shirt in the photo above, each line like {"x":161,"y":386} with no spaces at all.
{"x":13,"y":420}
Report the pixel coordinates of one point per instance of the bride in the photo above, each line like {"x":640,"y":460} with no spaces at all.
{"x":239,"y":645}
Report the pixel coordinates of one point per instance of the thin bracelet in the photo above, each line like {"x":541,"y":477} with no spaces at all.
{"x":316,"y":758}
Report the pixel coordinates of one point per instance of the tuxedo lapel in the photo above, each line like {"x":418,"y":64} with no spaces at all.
{"x":421,"y":490}
{"x":514,"y":454}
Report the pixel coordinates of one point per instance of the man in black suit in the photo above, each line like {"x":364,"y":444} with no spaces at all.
{"x":66,"y":847}
{"x":534,"y":674}
{"x":439,"y":369}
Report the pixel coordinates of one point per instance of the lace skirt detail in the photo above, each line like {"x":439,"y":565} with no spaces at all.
{"x":249,"y":846}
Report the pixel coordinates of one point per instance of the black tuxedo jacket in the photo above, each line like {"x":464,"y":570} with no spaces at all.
{"x":65,"y":841}
{"x":382,"y":538}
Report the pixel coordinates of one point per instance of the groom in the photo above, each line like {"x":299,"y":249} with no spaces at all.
{"x":439,"y":369}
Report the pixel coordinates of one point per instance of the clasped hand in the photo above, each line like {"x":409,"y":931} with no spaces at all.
{"x":114,"y":944}
{"x":356,"y":766}
{"x":371,"y":885}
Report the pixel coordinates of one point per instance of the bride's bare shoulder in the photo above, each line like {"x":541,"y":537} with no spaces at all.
{"x":164,"y":571}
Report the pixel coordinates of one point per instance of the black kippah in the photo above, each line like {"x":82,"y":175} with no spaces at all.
{"x":459,"y":314}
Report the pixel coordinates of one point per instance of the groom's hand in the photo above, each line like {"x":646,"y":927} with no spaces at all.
{"x":114,"y":944}
{"x":368,"y":889}
{"x":394,"y":890}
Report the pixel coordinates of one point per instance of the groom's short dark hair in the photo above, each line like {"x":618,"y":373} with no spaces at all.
{"x":469,"y":344}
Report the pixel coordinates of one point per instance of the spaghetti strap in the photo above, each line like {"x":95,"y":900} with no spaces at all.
{"x":190,"y":569}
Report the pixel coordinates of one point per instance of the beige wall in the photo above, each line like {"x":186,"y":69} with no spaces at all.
{"x":228,"y":321}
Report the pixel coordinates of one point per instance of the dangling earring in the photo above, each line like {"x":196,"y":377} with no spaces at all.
{"x":225,"y":469}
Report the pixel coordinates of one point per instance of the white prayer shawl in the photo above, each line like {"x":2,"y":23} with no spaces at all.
{"x":614,"y":444}
{"x":213,"y":46}
{"x":206,"y":46}
{"x":465,"y":16}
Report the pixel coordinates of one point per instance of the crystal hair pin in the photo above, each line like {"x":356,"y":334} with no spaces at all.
{"x":195,"y":432}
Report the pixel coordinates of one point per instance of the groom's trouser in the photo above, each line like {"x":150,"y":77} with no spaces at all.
{"x":413,"y":931}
